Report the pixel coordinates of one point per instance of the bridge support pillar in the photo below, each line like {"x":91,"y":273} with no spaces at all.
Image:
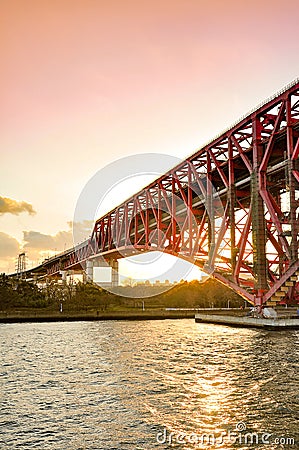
{"x":110,"y":279}
{"x":258,"y":217}
{"x":63,"y":276}
{"x":258,"y":235}
{"x":114,"y":274}
{"x":104,"y":279}
{"x":89,"y":271}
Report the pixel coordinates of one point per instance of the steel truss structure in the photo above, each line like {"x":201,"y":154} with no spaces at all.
{"x":231,"y":208}
{"x":21,"y":265}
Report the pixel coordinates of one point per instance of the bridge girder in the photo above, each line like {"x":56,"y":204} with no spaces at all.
{"x":231,"y":208}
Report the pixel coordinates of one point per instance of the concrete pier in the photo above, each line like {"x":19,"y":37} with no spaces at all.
{"x":100,"y":263}
{"x":281,"y":323}
{"x":89,"y":270}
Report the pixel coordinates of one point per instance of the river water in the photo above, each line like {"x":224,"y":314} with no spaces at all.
{"x":146,"y":385}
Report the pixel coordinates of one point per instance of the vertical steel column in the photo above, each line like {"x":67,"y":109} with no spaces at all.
{"x":173,"y":212}
{"x":291,"y":184}
{"x":210,"y":210}
{"x":258,"y":217}
{"x":109,"y":233}
{"x":190,"y":204}
{"x":159,"y":212}
{"x":127,"y":225}
{"x":146,"y":231}
{"x":135,"y":211}
{"x":116,"y":228}
{"x":231,"y":197}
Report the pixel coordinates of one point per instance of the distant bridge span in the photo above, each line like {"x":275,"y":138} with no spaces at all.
{"x":231,"y":208}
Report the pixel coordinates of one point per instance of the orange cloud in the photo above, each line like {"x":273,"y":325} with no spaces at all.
{"x":10,"y":206}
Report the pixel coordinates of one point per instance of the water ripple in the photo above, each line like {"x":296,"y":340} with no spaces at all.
{"x":129,"y":385}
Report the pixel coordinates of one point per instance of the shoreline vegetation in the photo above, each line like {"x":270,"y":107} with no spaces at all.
{"x":24,"y":301}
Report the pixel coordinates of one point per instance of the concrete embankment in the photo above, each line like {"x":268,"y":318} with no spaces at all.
{"x":72,"y":317}
{"x":232,"y":316}
{"x":281,"y":323}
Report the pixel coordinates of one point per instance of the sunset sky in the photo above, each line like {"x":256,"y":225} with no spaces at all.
{"x":86,"y":82}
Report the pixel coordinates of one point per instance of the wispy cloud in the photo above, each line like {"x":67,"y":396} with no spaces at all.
{"x":10,"y":206}
{"x":38,"y":245}
{"x":40,"y":241}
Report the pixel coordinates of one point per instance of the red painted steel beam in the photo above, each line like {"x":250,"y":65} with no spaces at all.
{"x":295,"y":154}
{"x":169,"y":203}
{"x":271,"y":141}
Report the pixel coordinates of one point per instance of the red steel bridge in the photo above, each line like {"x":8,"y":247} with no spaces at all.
{"x":231,"y":209}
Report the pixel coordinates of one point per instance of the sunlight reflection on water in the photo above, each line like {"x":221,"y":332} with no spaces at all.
{"x":117,"y":385}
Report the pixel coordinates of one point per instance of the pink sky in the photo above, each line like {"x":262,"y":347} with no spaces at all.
{"x":86,"y":82}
